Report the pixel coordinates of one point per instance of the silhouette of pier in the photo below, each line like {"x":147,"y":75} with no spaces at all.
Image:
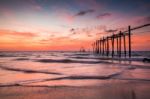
{"x":105,"y":46}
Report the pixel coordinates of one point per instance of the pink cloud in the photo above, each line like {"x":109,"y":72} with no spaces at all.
{"x":68,"y":18}
{"x":6,"y":12}
{"x":15,"y":33}
{"x":65,"y":15}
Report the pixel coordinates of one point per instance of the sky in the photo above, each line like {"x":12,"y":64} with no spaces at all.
{"x":34,"y":25}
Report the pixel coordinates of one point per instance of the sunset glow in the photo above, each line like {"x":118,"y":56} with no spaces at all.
{"x":30,"y":25}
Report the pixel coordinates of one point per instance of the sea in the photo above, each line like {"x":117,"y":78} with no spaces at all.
{"x":71,"y":68}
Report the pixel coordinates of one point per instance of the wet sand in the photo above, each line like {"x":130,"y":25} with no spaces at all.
{"x":57,"y":76}
{"x":129,"y":90}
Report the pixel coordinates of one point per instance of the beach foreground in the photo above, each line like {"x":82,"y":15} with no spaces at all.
{"x":70,"y":75}
{"x":130,"y":90}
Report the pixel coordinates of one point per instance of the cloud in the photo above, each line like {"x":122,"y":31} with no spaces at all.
{"x":104,"y":15}
{"x":144,"y":20}
{"x":91,"y":31}
{"x":111,"y":30}
{"x":84,"y":12}
{"x":72,"y":30}
{"x":15,"y":33}
{"x":65,"y":15}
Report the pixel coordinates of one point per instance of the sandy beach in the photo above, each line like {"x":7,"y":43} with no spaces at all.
{"x":130,"y":90}
{"x":68,"y":75}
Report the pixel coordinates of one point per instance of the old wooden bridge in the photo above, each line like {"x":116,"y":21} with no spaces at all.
{"x":105,"y":46}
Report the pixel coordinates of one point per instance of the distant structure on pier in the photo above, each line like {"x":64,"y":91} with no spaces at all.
{"x":82,"y":49}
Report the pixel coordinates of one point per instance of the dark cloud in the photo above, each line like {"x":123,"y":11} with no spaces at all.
{"x":89,"y":35}
{"x":89,"y":31}
{"x":104,"y":15}
{"x":72,"y":30}
{"x":81,"y":13}
{"x":144,"y":20}
{"x":111,"y":30}
{"x":147,"y":19}
{"x":99,"y":33}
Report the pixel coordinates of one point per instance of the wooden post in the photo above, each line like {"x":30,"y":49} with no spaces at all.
{"x":93,"y":47}
{"x":103,"y":45}
{"x":96,"y":47}
{"x":129,"y":30}
{"x":124,"y":36}
{"x":113,"y":45}
{"x":120,"y":44}
{"x":100,"y":47}
{"x":107,"y":46}
{"x":117,"y":47}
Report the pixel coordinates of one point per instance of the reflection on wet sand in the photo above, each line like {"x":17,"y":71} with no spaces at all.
{"x":114,"y":91}
{"x":71,"y":75}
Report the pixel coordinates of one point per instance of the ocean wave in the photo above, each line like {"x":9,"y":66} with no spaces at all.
{"x":79,"y":57}
{"x":135,"y":79}
{"x":6,"y":55}
{"x":20,"y":59}
{"x":81,"y":54}
{"x":3,"y":55}
{"x":114,"y":76}
{"x":88,"y":77}
{"x":28,"y":70}
{"x":53,"y":60}
{"x":67,"y":61}
{"x":73,"y":77}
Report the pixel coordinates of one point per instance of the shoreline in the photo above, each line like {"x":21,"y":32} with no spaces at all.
{"x":130,"y":90}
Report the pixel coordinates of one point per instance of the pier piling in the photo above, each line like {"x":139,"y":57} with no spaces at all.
{"x":102,"y":46}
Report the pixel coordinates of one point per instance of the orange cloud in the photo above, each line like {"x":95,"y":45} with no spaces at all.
{"x":12,"y":40}
{"x":31,"y":41}
{"x":14,"y":33}
{"x":68,"y":18}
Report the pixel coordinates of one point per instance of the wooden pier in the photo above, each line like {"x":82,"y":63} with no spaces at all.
{"x":105,"y":46}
